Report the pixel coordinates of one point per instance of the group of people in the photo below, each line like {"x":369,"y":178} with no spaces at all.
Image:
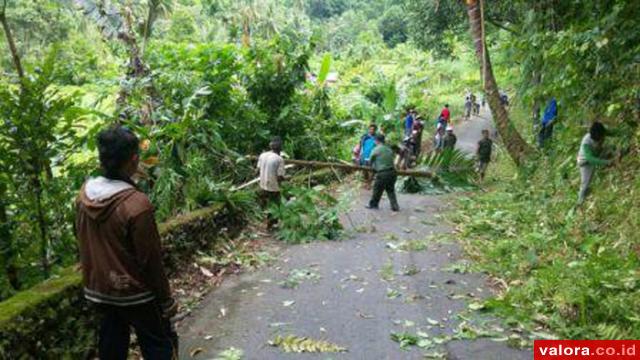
{"x":591,"y":146}
{"x":471,"y":105}
{"x":382,"y":163}
{"x":119,"y":243}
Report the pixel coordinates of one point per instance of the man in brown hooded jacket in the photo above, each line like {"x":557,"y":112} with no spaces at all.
{"x":121,"y":255}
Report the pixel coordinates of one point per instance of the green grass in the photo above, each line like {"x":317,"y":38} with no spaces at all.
{"x":572,"y":271}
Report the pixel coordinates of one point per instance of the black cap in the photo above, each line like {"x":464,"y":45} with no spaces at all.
{"x":380,"y":138}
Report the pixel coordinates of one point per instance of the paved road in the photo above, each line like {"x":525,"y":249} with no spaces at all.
{"x":469,"y":132}
{"x":358,"y":291}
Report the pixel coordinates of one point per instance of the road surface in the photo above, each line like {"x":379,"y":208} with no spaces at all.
{"x":356,"y":292}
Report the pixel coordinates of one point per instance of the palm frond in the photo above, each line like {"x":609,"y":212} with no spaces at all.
{"x":104,"y":14}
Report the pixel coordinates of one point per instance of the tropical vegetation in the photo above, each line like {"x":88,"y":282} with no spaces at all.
{"x":208,"y":82}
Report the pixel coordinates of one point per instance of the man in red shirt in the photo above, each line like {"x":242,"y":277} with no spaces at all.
{"x":445,"y":114}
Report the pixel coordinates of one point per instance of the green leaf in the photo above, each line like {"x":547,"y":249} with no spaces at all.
{"x":324,"y":69}
{"x":297,"y":344}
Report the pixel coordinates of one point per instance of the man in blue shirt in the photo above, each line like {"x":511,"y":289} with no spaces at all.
{"x":408,"y":122}
{"x":367,"y":143}
{"x":548,"y":120}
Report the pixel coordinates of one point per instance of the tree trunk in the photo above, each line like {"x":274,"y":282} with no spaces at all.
{"x":517,"y":148}
{"x":322,"y":164}
{"x":537,"y":102}
{"x":12,"y":44}
{"x":137,"y":69}
{"x":7,"y":252}
{"x":42,"y":225}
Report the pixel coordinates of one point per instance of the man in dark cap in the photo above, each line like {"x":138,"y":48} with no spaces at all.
{"x":385,"y":174}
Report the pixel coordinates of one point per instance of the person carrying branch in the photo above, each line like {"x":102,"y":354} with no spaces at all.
{"x":385,"y":174}
{"x":120,"y":254}
{"x":272,"y":172}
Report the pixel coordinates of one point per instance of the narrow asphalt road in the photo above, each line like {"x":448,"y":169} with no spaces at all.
{"x":393,"y":274}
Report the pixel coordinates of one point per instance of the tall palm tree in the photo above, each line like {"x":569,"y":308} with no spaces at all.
{"x":517,"y":148}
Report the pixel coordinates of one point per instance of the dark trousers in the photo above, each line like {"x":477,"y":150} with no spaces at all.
{"x":157,"y":339}
{"x":268,"y":198}
{"x":546,"y":132}
{"x":385,"y":181}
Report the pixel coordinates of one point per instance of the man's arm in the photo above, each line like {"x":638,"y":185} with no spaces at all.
{"x":281,"y":171}
{"x":146,"y":242}
{"x":259,"y":164}
{"x":374,"y":155}
{"x":591,"y":157}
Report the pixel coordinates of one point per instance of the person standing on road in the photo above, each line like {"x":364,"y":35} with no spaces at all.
{"x":446,"y":114}
{"x":475,"y":104}
{"x":438,"y":141}
{"x":408,"y":122}
{"x":367,"y":143}
{"x":588,"y":158}
{"x":450,"y":139}
{"x":485,"y":147}
{"x":272,"y":172}
{"x":385,"y":175}
{"x":418,"y":128}
{"x":467,"y":104}
{"x":121,"y":256}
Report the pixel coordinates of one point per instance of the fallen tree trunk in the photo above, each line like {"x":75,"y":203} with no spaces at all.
{"x":330,"y":165}
{"x":347,"y":167}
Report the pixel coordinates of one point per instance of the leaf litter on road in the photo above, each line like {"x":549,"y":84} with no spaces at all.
{"x":393,"y":293}
{"x":297,"y":276}
{"x":230,"y":354}
{"x":288,"y":303}
{"x":301,"y":344}
{"x":386,"y":272}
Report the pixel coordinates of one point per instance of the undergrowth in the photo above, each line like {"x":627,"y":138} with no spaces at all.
{"x":571,"y":270}
{"x":307,"y":214}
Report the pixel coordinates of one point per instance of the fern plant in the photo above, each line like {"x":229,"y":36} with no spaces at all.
{"x":454,"y":170}
{"x":307,"y":215}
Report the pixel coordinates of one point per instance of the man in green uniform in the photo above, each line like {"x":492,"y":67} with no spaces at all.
{"x":385,"y":179}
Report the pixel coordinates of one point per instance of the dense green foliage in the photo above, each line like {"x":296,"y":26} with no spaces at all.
{"x":572,"y":270}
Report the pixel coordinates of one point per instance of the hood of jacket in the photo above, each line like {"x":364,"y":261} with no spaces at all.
{"x":100,"y":196}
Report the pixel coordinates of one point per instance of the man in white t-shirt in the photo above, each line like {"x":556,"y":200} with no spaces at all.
{"x":271,"y":167}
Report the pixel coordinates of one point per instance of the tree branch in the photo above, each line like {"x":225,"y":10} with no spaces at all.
{"x":495,"y":23}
